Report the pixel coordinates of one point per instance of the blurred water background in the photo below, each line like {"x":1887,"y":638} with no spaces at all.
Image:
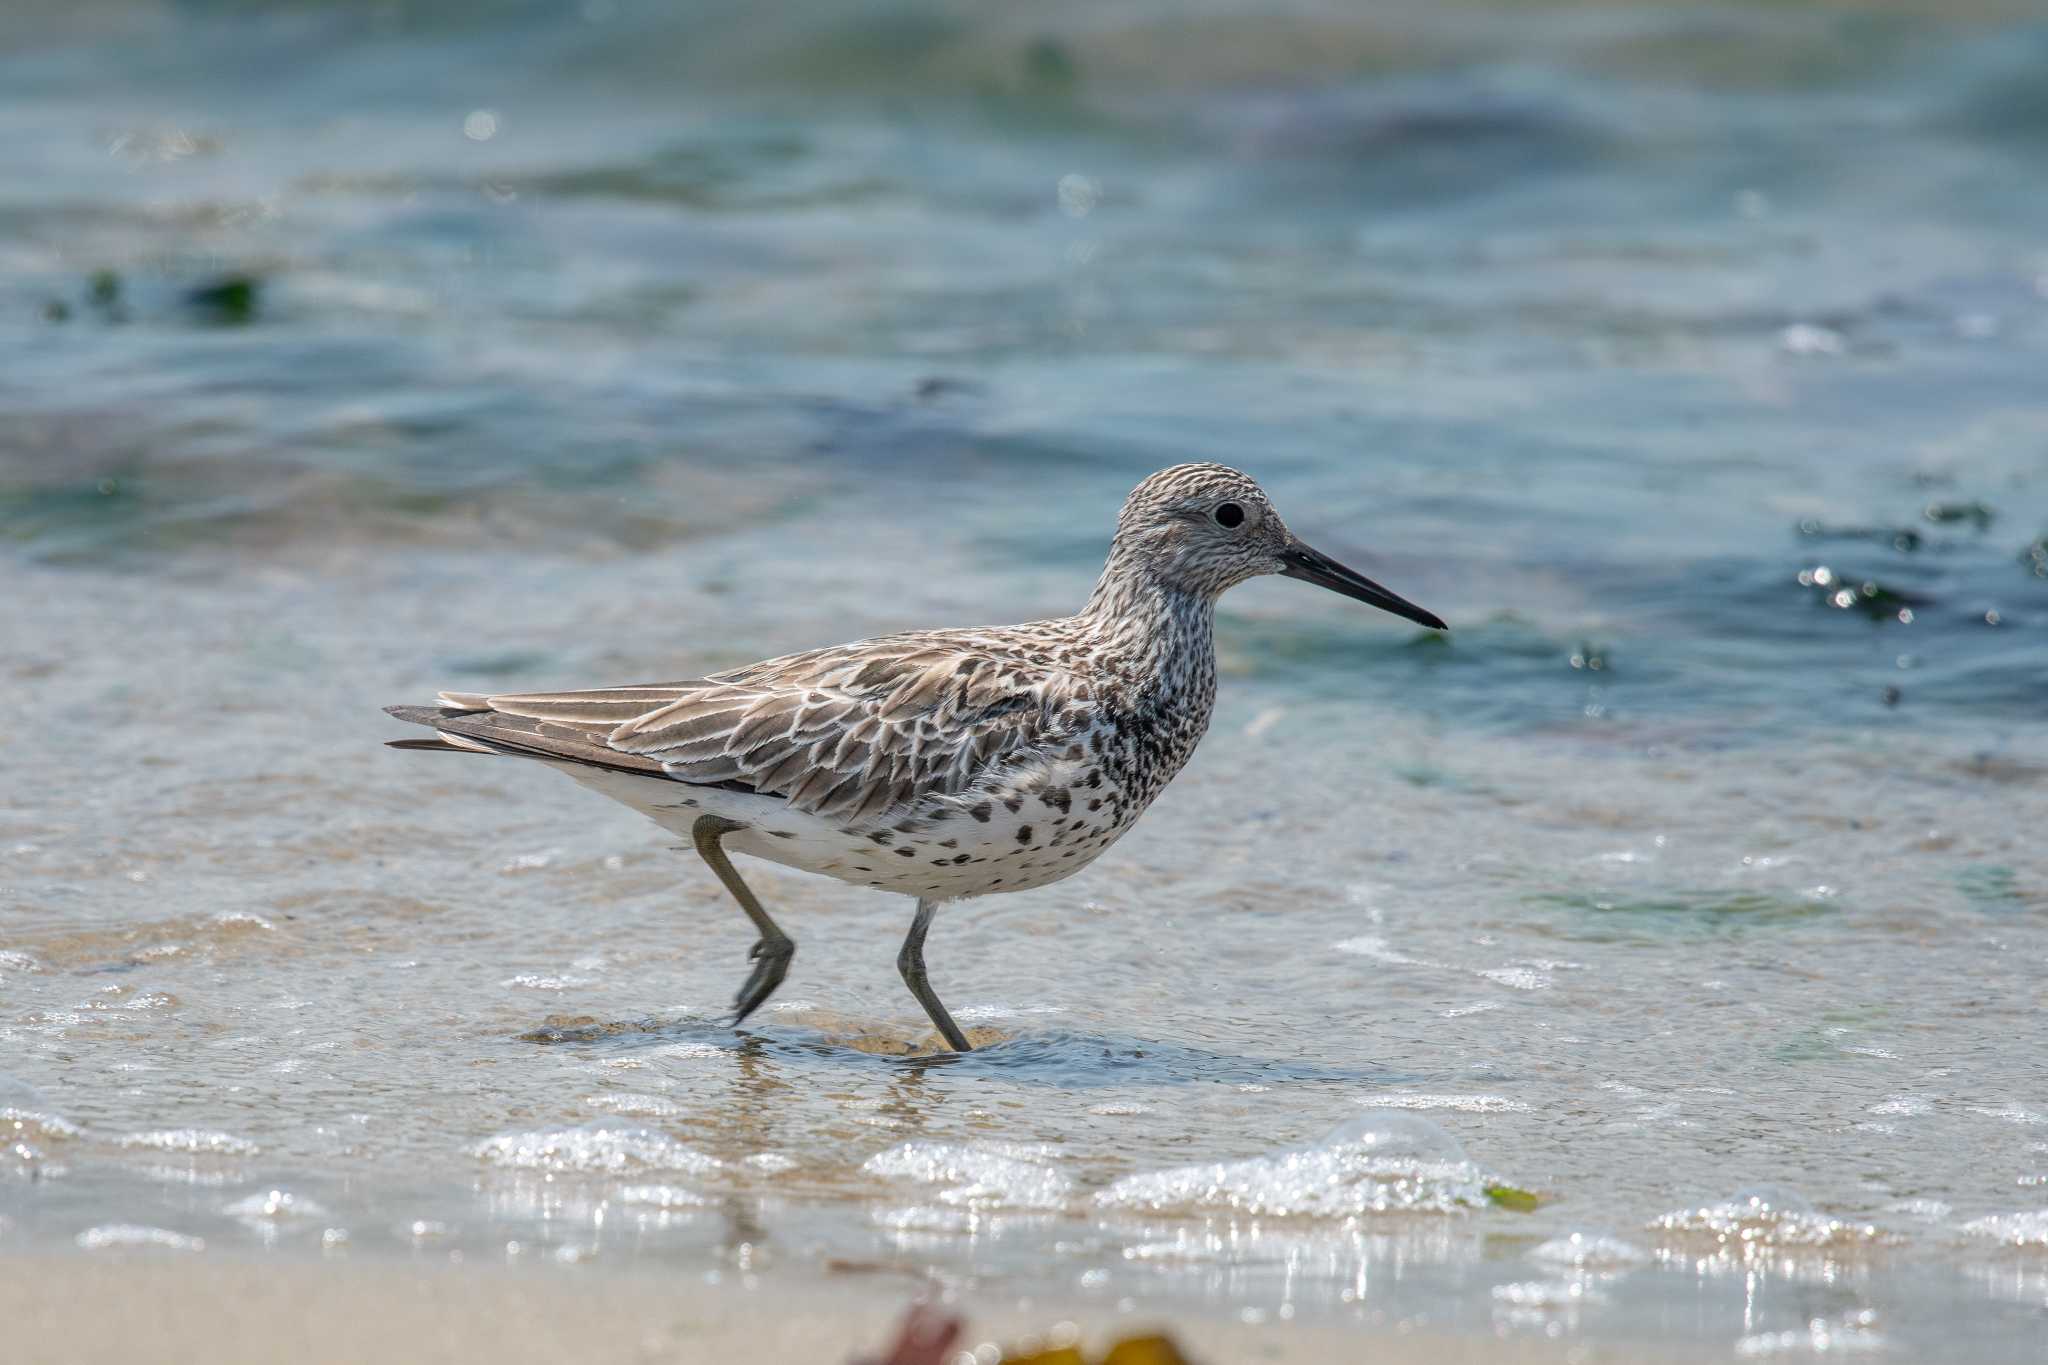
{"x":1692,"y":360}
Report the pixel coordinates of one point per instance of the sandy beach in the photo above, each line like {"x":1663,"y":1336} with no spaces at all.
{"x":114,"y":1311}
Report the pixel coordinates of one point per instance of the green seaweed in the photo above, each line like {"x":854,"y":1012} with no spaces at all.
{"x":1996,"y":888}
{"x":1717,"y":904}
{"x":1049,"y":66}
{"x":1510,"y":1197}
{"x":1946,"y":513}
{"x":1698,"y":912}
{"x":229,"y":301}
{"x":1808,"y":1045}
{"x":108,"y":505}
{"x":1878,"y":601}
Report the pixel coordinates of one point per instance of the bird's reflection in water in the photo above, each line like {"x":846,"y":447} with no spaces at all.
{"x":741,"y":1117}
{"x":755,"y":1118}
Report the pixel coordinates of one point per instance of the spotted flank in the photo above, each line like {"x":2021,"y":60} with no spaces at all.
{"x":941,"y":764}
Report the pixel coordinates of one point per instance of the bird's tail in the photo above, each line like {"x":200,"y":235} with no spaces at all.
{"x":433,"y":746}
{"x":496,"y":732}
{"x":444,"y":741}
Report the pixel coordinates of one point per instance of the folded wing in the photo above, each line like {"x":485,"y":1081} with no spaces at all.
{"x":852,"y":733}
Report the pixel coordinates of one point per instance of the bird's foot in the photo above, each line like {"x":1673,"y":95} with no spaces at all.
{"x":950,"y":1031}
{"x":771,"y":963}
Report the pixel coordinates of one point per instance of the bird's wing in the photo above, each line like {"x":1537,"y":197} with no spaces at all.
{"x":850,"y":733}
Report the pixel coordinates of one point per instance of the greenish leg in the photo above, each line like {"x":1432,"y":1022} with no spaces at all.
{"x":772,"y":951}
{"x":910,"y":962}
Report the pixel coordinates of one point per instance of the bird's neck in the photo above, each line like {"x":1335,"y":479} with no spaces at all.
{"x":1152,"y":630}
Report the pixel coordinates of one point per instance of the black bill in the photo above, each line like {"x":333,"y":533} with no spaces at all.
{"x":1313,"y":566}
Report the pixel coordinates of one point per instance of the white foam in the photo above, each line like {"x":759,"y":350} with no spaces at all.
{"x":533,"y":981}
{"x":1519,"y":978}
{"x":1765,"y":1218}
{"x":111,"y":1236}
{"x":981,"y":1012}
{"x":25,"y":1112}
{"x":2011,"y":1113}
{"x":274,"y":1206}
{"x":923,"y":1218}
{"x":1381,"y":1162}
{"x":192,"y":1142}
{"x":663,"y":1196}
{"x":2028,"y":1228}
{"x":634,"y":1106}
{"x":24,"y":1125}
{"x":1589,"y":1252}
{"x":1805,"y":338}
{"x":978,"y":1175}
{"x":600,"y":1148}
{"x":1375,"y":947}
{"x":1463,"y":1104}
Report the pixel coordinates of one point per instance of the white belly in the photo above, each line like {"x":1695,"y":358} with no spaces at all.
{"x":951,"y":847}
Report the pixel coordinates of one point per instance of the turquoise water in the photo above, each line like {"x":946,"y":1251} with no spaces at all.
{"x":1688,"y":360}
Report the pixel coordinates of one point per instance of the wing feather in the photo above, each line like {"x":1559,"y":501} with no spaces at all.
{"x":855,"y":733}
{"x":762,"y":724}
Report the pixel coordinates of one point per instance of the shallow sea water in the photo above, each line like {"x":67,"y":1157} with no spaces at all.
{"x":1688,"y":360}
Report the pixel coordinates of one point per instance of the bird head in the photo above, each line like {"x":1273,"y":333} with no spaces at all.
{"x":1205,"y":528}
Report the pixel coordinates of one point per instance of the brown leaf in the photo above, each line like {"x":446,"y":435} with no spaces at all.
{"x":926,"y":1337}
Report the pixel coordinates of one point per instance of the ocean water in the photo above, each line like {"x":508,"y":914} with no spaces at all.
{"x":1692,"y":361}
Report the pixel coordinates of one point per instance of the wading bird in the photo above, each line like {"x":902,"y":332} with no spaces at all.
{"x":941,"y":764}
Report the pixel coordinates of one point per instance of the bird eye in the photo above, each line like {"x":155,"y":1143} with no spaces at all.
{"x":1229,"y":514}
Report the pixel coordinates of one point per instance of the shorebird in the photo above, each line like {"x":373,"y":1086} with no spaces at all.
{"x":941,"y":764}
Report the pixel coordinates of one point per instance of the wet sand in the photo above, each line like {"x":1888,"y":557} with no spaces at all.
{"x":87,"y":1310}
